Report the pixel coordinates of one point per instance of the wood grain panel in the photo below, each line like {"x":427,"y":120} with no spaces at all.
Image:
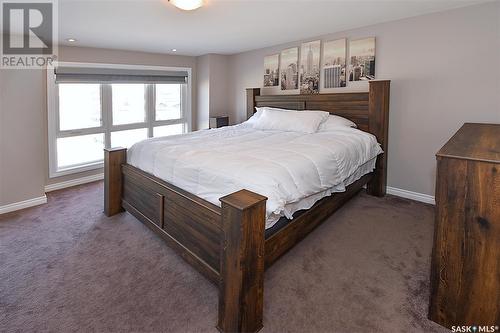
{"x":186,"y":254}
{"x":378,"y":125}
{"x":252,"y":93}
{"x":448,"y":259}
{"x":207,"y":209}
{"x":353,"y":106}
{"x":241,"y":298}
{"x":485,"y":146}
{"x":283,"y":105}
{"x":113,"y":186}
{"x":336,"y":97}
{"x":465,"y":270}
{"x":199,"y":237}
{"x":144,"y":197}
{"x":193,"y":223}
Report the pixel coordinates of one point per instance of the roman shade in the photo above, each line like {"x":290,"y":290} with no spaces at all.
{"x":66,"y":74}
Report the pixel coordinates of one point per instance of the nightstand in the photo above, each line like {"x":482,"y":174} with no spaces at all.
{"x":218,"y":121}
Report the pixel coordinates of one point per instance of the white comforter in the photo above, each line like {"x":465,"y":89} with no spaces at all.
{"x":286,"y":167}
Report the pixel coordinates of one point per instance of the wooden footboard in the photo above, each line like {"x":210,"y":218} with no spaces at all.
{"x":241,"y":288}
{"x":225,"y":244}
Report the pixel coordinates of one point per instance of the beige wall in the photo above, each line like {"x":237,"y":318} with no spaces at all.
{"x":203,"y":90}
{"x":444,"y":71}
{"x":22,"y":132}
{"x":23,"y":127}
{"x":212,"y":85}
{"x":219,"y":85}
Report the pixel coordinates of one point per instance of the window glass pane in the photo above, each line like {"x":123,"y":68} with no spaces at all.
{"x":79,"y":149}
{"x":79,"y":106}
{"x":168,"y":101}
{"x":128,"y":103}
{"x":168,"y":130}
{"x":127,"y":138}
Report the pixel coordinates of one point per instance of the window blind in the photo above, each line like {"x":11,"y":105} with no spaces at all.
{"x":65,"y":74}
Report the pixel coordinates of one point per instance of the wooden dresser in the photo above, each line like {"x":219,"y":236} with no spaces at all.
{"x":465,"y":272}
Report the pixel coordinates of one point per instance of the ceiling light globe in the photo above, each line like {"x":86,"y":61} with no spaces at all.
{"x":187,"y":4}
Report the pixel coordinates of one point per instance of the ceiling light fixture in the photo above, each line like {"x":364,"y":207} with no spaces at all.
{"x":187,"y":4}
{"x":71,"y":40}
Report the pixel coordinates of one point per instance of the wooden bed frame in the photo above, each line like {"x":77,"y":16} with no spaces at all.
{"x":227,"y":244}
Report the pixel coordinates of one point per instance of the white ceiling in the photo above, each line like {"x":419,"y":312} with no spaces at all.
{"x":225,"y":26}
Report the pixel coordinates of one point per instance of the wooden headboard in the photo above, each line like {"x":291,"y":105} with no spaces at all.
{"x":369,"y":110}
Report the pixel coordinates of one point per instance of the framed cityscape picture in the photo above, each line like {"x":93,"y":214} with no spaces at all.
{"x":271,"y":70}
{"x":362,"y":56}
{"x":289,"y":74}
{"x":334,"y":64}
{"x":309,"y":67}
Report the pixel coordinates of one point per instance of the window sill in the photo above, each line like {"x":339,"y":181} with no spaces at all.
{"x":76,"y":169}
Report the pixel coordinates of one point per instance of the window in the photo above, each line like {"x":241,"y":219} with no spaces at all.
{"x":80,"y":149}
{"x":168,"y":101}
{"x":79,"y":106}
{"x":128,"y":137}
{"x":129,"y":103}
{"x":95,"y":106}
{"x":168,"y":130}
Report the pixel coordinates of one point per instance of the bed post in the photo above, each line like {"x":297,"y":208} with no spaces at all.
{"x":251,"y":93}
{"x":113,"y":160}
{"x":378,"y":124}
{"x":242,"y":262}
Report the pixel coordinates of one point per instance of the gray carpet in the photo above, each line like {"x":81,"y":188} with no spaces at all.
{"x":65,"y":267}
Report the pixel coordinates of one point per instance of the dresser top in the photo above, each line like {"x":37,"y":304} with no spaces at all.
{"x":479,"y":142}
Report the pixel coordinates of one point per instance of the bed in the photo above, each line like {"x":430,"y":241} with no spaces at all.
{"x":216,"y":216}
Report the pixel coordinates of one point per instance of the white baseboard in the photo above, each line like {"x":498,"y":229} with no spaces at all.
{"x":57,"y":186}
{"x":411,"y":195}
{"x":73,"y":182}
{"x":23,"y":204}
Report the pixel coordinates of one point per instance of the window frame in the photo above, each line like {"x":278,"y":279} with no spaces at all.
{"x":107,"y":126}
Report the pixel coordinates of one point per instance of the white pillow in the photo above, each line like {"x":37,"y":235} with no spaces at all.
{"x":255,"y":116}
{"x":291,"y":121}
{"x":258,"y":112}
{"x":334,"y":122}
